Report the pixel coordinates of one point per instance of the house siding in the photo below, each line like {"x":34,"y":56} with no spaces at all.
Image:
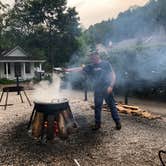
{"x":11,"y":76}
{"x":28,"y":75}
{"x":18,"y":55}
{"x":12,"y":71}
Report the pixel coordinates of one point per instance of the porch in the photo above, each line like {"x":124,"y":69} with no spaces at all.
{"x":25,"y":70}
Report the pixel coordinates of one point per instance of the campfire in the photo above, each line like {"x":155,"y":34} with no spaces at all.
{"x":52,"y":119}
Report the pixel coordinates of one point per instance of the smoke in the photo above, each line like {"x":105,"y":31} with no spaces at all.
{"x":139,"y":54}
{"x":139,"y":60}
{"x":101,"y":48}
{"x":136,"y":61}
{"x":48,"y":92}
{"x":151,"y":64}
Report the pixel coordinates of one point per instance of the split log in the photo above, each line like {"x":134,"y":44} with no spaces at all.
{"x":131,"y":107}
{"x":37,"y":124}
{"x":63,"y":134}
{"x":132,"y":110}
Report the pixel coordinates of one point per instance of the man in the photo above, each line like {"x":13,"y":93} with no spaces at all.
{"x":104,"y":80}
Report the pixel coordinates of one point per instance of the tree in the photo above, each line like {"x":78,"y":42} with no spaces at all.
{"x":3,"y":14}
{"x":46,"y":27}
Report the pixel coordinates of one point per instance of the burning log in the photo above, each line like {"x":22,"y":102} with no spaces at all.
{"x":132,"y":110}
{"x":52,"y":119}
{"x":37,"y":124}
{"x":62,"y":127}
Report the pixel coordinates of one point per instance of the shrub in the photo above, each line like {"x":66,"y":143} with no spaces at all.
{"x":5,"y":81}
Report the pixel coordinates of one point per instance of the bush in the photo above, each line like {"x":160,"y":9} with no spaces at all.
{"x":5,"y":81}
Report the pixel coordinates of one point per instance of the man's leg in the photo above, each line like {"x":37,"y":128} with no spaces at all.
{"x":98,"y":100}
{"x":109,"y":98}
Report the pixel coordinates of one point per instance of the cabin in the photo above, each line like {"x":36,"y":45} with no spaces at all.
{"x":17,"y":62}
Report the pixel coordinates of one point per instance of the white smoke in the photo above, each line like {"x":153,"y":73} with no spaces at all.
{"x":100,"y":48}
{"x":48,"y":92}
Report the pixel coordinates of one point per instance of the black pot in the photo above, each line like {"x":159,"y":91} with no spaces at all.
{"x":51,"y":107}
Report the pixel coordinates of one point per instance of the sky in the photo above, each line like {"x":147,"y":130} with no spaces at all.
{"x":94,"y":11}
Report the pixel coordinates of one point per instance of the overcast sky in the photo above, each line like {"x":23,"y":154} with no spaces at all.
{"x":93,"y":11}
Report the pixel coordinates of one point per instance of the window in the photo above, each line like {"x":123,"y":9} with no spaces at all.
{"x":8,"y":67}
{"x":27,"y":68}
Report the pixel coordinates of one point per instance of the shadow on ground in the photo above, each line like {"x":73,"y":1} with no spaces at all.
{"x":23,"y":147}
{"x":136,"y":144}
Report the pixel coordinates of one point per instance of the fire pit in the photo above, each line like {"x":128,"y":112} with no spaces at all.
{"x":51,"y":119}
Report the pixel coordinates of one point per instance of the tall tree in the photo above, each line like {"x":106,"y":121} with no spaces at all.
{"x":3,"y":15}
{"x":46,"y":25}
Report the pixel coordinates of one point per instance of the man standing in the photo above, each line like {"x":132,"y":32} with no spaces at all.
{"x":104,"y":79}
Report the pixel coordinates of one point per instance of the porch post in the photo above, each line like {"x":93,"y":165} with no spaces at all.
{"x":7,"y":74}
{"x":24,"y":70}
{"x":40,"y":66}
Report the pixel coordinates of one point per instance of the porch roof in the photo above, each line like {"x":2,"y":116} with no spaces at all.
{"x":20,"y":60}
{"x":18,"y":55}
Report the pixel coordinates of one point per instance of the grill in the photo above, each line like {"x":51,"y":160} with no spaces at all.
{"x":52,"y":119}
{"x":17,"y":89}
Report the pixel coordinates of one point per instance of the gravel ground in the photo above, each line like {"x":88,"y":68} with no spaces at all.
{"x":136,"y":144}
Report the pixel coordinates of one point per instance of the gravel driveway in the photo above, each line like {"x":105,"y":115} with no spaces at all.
{"x":136,"y":144}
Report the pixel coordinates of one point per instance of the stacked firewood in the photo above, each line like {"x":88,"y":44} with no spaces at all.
{"x":132,"y":110}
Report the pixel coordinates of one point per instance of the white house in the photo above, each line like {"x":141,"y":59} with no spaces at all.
{"x":17,"y":62}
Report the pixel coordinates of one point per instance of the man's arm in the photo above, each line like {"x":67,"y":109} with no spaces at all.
{"x":113,"y":80}
{"x":85,"y":68}
{"x":75,"y":69}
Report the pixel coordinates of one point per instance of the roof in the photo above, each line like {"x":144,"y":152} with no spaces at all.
{"x":17,"y":55}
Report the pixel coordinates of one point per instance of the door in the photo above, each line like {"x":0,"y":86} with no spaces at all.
{"x":17,"y":69}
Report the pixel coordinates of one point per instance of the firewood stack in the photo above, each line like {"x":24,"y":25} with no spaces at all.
{"x":132,"y":110}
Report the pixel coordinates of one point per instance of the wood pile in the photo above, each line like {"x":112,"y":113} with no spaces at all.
{"x":132,"y":110}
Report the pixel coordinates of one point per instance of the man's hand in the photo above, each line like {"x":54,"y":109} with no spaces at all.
{"x":109,"y":89}
{"x":65,"y":70}
{"x":74,"y":69}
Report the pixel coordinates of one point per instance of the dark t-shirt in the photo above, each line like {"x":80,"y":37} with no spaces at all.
{"x":100,"y":74}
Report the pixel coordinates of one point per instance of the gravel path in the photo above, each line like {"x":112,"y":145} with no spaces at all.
{"x":137,"y":144}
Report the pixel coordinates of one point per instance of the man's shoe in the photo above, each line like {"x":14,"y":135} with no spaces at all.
{"x":96,"y":127}
{"x":118,"y":125}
